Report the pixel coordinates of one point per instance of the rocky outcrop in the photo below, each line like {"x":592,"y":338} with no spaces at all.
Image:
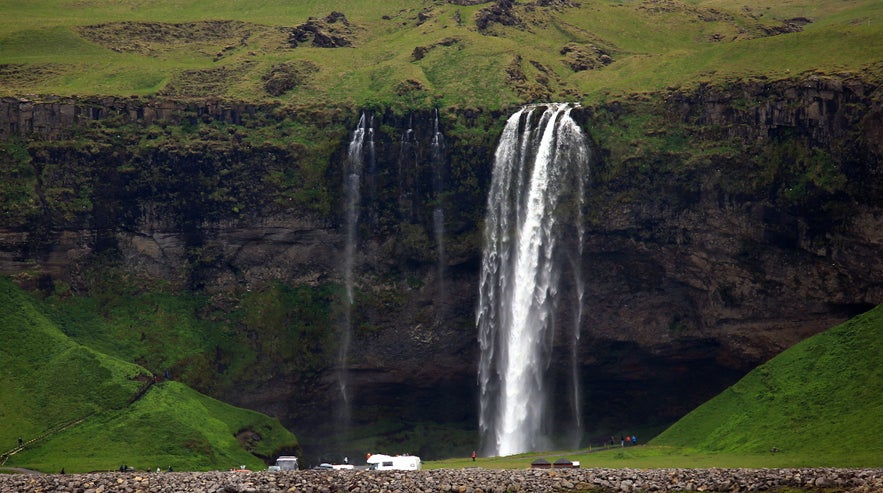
{"x":332,"y":31}
{"x":421,"y":51}
{"x":287,"y":76}
{"x":501,"y":12}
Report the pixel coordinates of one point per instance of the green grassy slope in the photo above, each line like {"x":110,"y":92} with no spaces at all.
{"x":67,"y":48}
{"x":41,"y":364}
{"x":172,"y":425}
{"x":821,"y":399}
{"x":209,"y":349}
{"x":48,"y":381}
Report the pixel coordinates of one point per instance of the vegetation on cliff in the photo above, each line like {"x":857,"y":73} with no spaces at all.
{"x":79,"y":409}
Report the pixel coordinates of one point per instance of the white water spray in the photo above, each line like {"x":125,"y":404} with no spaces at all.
{"x":535,"y":203}
{"x":438,"y":212}
{"x":353,"y":168}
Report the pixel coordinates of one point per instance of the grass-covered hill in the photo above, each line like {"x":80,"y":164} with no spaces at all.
{"x":820,"y":401}
{"x":427,"y":53}
{"x":82,"y":410}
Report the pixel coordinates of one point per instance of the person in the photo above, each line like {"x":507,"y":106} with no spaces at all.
{"x":20,"y":441}
{"x":473,"y":456}
{"x":621,"y":441}
{"x":346,"y":460}
{"x":634,"y":440}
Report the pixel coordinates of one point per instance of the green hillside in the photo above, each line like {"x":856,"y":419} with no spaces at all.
{"x":82,"y":410}
{"x":820,"y":399}
{"x":423,"y":53}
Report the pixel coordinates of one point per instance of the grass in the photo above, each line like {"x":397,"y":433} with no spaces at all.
{"x":172,"y":425}
{"x":653,"y":48}
{"x":280,"y":329}
{"x":661,"y":457}
{"x":157,"y":330}
{"x":83,"y":410}
{"x":40,"y":363}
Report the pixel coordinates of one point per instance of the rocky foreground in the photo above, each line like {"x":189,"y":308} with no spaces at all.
{"x":473,"y":480}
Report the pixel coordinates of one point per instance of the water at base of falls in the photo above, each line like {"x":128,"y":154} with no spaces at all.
{"x":534,"y":208}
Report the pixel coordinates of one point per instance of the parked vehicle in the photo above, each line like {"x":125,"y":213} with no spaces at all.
{"x":381,"y":462}
{"x":286,"y":463}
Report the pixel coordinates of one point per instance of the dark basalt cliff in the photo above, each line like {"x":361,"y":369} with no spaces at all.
{"x":724,"y":225}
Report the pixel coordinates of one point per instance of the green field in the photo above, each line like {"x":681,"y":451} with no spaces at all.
{"x":231,"y":49}
{"x":79,"y":409}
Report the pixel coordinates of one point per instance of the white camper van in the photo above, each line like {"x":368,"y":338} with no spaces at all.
{"x":381,"y":462}
{"x":285,"y":463}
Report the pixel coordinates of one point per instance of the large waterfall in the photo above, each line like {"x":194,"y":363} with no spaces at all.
{"x":531,"y":263}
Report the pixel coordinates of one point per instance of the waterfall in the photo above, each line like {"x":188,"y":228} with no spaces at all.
{"x":438,"y":212}
{"x":409,"y":151}
{"x":533,"y":230}
{"x":353,"y":168}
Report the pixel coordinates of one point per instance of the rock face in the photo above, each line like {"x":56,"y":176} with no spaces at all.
{"x":750,"y":221}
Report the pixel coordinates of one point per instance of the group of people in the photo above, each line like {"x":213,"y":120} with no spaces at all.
{"x":624,"y":440}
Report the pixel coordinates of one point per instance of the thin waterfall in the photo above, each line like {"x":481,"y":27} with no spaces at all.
{"x":438,"y":212}
{"x":533,"y":230}
{"x":408,"y":152}
{"x":353,"y":168}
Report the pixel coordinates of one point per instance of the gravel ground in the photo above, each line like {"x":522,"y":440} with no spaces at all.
{"x":473,"y":480}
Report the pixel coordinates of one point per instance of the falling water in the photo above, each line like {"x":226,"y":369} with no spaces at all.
{"x":409,"y":150}
{"x":353,"y":168}
{"x":534,"y":207}
{"x":438,"y":212}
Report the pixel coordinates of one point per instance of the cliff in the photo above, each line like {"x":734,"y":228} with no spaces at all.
{"x":725,"y":224}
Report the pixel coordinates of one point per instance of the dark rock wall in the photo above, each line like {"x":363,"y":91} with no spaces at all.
{"x":700,"y":268}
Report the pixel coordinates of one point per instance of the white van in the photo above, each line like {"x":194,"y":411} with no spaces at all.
{"x":285,"y":463}
{"x":381,"y":462}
